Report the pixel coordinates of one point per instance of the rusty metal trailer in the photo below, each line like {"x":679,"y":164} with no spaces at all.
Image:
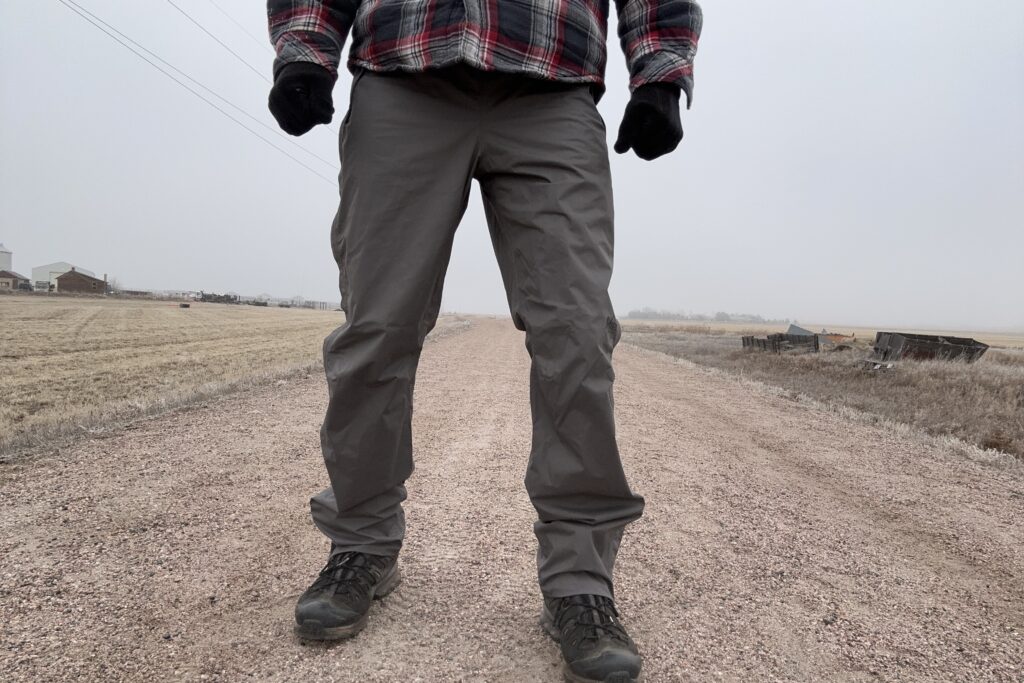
{"x":778,"y":343}
{"x":903,"y":345}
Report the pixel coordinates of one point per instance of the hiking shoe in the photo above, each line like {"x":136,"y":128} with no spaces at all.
{"x":337,"y":603}
{"x":595,"y":646}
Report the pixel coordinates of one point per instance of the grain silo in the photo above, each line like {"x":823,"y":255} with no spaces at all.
{"x":6,"y":258}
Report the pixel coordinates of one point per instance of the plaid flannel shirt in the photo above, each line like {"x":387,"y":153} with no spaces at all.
{"x":563,"y":40}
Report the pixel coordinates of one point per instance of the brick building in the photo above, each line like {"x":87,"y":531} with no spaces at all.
{"x":74,"y":282}
{"x":44,"y":278}
{"x":11,"y":281}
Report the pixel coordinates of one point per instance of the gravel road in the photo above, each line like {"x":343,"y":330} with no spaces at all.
{"x":781,"y":542}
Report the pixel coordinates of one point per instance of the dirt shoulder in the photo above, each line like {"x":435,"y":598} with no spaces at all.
{"x":780,"y":542}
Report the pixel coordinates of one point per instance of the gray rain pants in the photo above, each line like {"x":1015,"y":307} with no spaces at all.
{"x":411,"y":144}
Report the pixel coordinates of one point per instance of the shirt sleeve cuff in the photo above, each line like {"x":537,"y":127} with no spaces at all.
{"x":663,"y":67}
{"x":310,"y":47}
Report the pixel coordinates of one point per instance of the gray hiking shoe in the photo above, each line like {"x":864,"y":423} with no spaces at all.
{"x":336,"y":605}
{"x":595,"y":646}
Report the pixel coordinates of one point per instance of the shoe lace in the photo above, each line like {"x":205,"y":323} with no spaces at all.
{"x":588,"y":618}
{"x":351,"y":573}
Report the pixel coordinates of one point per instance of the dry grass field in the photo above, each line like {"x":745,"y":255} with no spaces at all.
{"x":72,"y":365}
{"x":981,"y":403}
{"x":1006,"y":339}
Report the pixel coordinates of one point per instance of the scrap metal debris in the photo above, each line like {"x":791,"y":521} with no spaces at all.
{"x":779,"y":343}
{"x":903,"y":345}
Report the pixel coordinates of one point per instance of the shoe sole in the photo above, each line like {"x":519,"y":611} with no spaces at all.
{"x":547,"y":623}
{"x":314,"y":630}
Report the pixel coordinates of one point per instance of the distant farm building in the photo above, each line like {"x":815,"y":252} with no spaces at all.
{"x":11,"y":281}
{"x":74,"y":282}
{"x":6,"y":258}
{"x":44,"y":278}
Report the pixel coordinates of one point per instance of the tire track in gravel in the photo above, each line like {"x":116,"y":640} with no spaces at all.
{"x":780,"y":542}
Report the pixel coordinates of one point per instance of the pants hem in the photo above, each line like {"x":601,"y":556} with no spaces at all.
{"x":383,"y":551}
{"x":575,"y":583}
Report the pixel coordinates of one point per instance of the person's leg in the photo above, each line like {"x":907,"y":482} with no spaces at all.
{"x":547,"y":191}
{"x":407,"y":151}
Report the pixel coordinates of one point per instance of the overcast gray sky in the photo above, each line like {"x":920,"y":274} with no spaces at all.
{"x":857,"y":162}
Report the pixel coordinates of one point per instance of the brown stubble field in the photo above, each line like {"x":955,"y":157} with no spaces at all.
{"x":980,"y":403}
{"x":69,"y":365}
{"x":72,"y":366}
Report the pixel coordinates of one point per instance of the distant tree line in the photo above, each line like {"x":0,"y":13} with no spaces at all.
{"x":720,"y":317}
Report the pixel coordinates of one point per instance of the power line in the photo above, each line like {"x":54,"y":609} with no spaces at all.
{"x":70,"y":4}
{"x":237,"y":56}
{"x":219,"y":41}
{"x":264,"y":43}
{"x":209,"y":90}
{"x":225,"y":46}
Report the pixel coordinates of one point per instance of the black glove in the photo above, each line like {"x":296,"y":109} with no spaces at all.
{"x":301,"y":97}
{"x":651,"y":124}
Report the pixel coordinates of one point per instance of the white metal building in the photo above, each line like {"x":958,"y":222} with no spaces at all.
{"x":6,"y":258}
{"x":43,"y":277}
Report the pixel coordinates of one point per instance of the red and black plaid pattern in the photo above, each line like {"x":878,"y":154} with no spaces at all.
{"x":562,"y":40}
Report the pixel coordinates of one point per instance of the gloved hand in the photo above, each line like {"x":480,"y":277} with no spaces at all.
{"x":651,"y":124}
{"x":301,"y":97}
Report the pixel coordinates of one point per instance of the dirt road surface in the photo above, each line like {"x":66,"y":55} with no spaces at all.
{"x":780,"y":542}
